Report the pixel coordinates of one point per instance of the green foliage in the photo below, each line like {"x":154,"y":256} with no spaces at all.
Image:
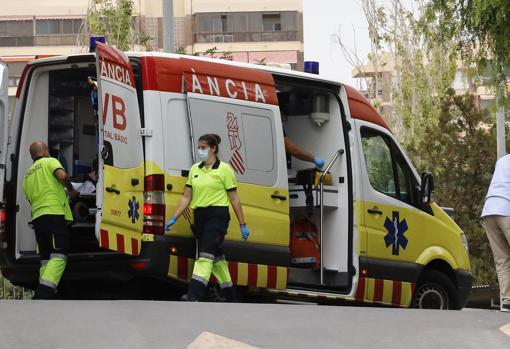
{"x":481,"y":29}
{"x":114,"y":20}
{"x":459,"y":150}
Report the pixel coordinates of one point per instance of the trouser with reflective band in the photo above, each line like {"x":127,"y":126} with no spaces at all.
{"x":52,"y":237}
{"x":498,"y":233}
{"x":211,"y":225}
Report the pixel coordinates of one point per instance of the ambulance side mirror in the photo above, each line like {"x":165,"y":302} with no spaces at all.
{"x":427,"y":187}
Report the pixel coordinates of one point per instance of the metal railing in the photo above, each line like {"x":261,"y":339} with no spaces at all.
{"x":326,"y":170}
{"x":10,"y":291}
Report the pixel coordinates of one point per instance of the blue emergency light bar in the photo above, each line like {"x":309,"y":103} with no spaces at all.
{"x":312,"y":67}
{"x":93,"y":40}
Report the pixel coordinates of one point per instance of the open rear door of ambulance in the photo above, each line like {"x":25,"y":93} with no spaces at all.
{"x":119,"y":218}
{"x":3,"y":126}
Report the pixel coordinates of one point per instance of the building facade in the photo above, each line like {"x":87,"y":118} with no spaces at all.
{"x":380,"y":91}
{"x":256,"y":32}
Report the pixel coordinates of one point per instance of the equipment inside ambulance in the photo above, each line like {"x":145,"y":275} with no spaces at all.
{"x":361,"y":229}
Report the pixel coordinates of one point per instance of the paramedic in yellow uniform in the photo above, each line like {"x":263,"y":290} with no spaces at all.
{"x":44,"y":188}
{"x":210,"y":187}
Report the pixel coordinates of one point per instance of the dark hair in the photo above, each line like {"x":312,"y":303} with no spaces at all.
{"x":212,"y":140}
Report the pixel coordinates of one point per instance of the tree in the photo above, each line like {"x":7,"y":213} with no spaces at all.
{"x":114,"y":20}
{"x":459,"y":150}
{"x":482,"y":30}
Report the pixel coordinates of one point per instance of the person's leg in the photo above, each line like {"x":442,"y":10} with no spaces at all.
{"x":58,"y":256}
{"x":43,"y":236}
{"x":498,"y":233}
{"x":211,"y":239}
{"x":220,"y":265}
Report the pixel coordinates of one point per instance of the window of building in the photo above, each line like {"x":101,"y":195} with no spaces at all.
{"x":246,"y":27}
{"x":71,"y":26}
{"x":16,"y":28}
{"x":271,"y":23}
{"x":48,"y":26}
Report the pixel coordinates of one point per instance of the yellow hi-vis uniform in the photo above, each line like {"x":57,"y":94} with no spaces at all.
{"x":211,"y":210}
{"x":50,"y":213}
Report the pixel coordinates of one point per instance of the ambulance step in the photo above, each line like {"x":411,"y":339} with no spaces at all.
{"x":311,"y":295}
{"x":311,"y":277}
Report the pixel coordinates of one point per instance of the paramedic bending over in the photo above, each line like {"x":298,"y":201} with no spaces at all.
{"x":210,"y":186}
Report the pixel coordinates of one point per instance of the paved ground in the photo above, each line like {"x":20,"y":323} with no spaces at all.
{"x":149,"y":324}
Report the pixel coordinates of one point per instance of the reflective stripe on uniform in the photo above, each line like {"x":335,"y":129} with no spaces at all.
{"x":200,"y":279}
{"x":219,"y":258}
{"x":202,"y":269}
{"x":48,"y":283}
{"x":58,"y":255}
{"x":226,"y":285}
{"x":207,"y":255}
{"x":220,"y":271}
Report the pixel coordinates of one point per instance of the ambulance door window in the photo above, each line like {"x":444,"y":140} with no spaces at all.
{"x":388,"y":171}
{"x":247,"y":134}
{"x":378,"y":161}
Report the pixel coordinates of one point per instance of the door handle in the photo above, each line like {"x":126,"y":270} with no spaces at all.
{"x":280,"y":197}
{"x":169,"y":187}
{"x":134,"y":181}
{"x":112,"y":190}
{"x":374,"y":211}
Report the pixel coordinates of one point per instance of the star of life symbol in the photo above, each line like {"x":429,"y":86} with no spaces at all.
{"x":396,"y":230}
{"x":134,"y":207}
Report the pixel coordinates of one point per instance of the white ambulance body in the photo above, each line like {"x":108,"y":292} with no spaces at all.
{"x":381,"y":240}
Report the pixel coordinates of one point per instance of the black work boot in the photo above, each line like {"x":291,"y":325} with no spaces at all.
{"x":188,"y":298}
{"x":44,"y":292}
{"x":196,"y":291}
{"x":230,"y":294}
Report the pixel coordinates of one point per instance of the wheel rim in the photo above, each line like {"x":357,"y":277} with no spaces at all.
{"x":431,"y":297}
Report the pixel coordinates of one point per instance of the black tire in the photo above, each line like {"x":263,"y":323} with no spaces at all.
{"x":435,"y":291}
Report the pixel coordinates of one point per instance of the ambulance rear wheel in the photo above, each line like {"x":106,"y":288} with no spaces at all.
{"x":435,"y":291}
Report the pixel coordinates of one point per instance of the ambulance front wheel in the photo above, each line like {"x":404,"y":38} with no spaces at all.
{"x":435,"y":291}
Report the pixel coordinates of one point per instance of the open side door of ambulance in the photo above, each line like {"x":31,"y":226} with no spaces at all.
{"x":119,"y":218}
{"x":3,"y":124}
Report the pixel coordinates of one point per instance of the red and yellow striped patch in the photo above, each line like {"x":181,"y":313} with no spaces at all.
{"x":119,"y":242}
{"x":389,"y":292}
{"x":243,"y":274}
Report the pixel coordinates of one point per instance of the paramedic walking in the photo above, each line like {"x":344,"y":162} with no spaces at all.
{"x":210,"y":187}
{"x":44,"y":188}
{"x":496,"y":221}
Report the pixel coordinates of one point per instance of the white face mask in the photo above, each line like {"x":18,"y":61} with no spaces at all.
{"x":203,"y":154}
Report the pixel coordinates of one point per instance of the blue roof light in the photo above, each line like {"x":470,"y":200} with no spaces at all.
{"x":93,"y":40}
{"x":312,"y":67}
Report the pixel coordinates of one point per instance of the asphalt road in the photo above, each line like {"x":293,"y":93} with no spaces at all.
{"x":150,"y":324}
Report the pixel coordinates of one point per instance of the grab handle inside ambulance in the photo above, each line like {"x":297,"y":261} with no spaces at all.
{"x":321,"y":180}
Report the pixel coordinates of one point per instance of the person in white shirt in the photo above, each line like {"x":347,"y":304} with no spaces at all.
{"x":496,"y":221}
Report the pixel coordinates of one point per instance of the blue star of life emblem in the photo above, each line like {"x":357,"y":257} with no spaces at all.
{"x":396,"y":230}
{"x":134,"y":207}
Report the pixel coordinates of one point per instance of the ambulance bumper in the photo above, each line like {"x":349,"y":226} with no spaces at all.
{"x":464,"y":282}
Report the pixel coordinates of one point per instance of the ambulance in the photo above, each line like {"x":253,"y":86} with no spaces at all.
{"x":377,"y":235}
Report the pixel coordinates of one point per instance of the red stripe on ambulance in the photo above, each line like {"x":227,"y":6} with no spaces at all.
{"x":397,"y":293}
{"x":120,"y":243}
{"x":104,"y":242}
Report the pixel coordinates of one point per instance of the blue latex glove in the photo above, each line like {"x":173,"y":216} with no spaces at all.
{"x":318,"y":162}
{"x":244,"y":231}
{"x":170,"y":222}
